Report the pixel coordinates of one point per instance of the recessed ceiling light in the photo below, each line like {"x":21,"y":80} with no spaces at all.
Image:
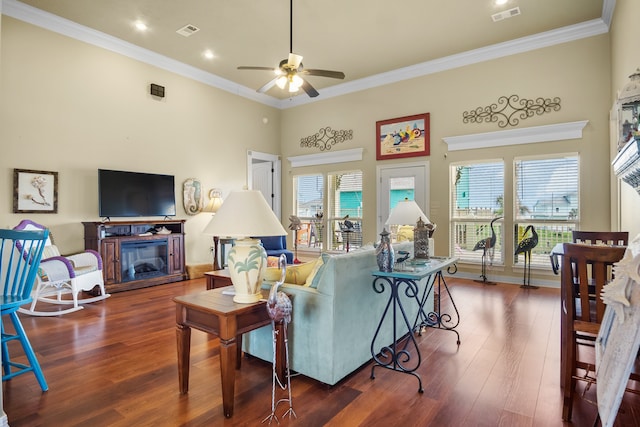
{"x":500,"y":2}
{"x":140,"y":26}
{"x":208,"y":54}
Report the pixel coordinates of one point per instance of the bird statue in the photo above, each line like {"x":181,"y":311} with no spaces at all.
{"x":295,"y":225}
{"x":487,"y":245}
{"x":524,"y":247}
{"x":348,"y":225}
{"x":403,"y":256}
{"x":279,"y":309}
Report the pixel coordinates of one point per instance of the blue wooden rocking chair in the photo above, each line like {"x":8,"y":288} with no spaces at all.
{"x":20,"y":254}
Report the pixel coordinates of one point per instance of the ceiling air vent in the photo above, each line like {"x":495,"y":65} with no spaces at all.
{"x":188,"y":30}
{"x":505,"y":14}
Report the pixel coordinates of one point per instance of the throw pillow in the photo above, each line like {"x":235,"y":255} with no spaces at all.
{"x":297,"y":274}
{"x":272,"y":274}
{"x":313,"y":275}
{"x":272,"y":261}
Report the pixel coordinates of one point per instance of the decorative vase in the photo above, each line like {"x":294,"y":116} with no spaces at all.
{"x":384,"y":252}
{"x":247,"y":265}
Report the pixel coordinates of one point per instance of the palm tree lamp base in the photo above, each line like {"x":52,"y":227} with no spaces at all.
{"x":247,"y":265}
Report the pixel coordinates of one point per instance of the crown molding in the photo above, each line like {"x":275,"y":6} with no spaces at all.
{"x":40,"y":18}
{"x":525,"y":44}
{"x":328,"y":157}
{"x":56,"y":24}
{"x":530,"y":135}
{"x":608,"y":6}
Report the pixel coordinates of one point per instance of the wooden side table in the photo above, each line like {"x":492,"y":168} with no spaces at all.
{"x":218,"y":279}
{"x":217,"y":314}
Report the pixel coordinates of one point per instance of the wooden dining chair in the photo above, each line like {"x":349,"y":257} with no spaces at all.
{"x":582,"y":266}
{"x":616,"y":238}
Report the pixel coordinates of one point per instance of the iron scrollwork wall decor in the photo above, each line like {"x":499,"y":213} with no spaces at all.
{"x":326,"y":138}
{"x":509,"y":110}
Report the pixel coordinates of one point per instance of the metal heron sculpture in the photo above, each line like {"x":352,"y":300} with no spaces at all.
{"x":524,"y":247}
{"x":487,"y":246}
{"x":279,"y":309}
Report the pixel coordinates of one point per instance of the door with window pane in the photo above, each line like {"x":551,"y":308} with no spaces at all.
{"x":398,"y":183}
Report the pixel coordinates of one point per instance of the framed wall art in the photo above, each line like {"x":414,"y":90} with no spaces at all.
{"x":35,"y":191}
{"x":402,"y":137}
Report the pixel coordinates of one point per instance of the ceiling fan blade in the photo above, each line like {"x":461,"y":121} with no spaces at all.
{"x":306,"y":86}
{"x":294,"y":61}
{"x":324,"y":73}
{"x":268,"y":85}
{"x":255,"y":68}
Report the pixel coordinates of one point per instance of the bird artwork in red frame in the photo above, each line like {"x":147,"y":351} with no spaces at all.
{"x":403,"y":137}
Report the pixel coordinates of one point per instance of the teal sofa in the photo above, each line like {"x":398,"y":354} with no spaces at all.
{"x":334,"y":319}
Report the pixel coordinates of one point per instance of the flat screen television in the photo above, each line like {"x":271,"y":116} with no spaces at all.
{"x":131,"y":194}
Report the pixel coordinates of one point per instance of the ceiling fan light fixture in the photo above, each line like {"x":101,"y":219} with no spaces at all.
{"x":287,"y":70}
{"x":296,"y":80}
{"x":281,"y":82}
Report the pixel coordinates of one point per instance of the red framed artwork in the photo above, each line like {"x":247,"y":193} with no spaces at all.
{"x":402,"y":137}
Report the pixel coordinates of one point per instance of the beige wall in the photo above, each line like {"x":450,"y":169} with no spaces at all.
{"x":73,"y":108}
{"x":577,"y":73}
{"x":70,"y":107}
{"x":625,"y":59}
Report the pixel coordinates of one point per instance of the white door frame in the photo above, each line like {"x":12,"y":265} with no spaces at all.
{"x":399,"y":166}
{"x":256,"y":156}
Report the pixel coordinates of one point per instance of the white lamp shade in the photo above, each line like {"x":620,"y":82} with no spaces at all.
{"x":406,"y":212}
{"x":245,"y":213}
{"x":215,"y":201}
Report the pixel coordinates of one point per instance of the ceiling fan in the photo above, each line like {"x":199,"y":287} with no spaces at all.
{"x":290,"y":71}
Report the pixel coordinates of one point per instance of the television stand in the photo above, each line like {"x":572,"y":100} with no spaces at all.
{"x":132,"y":258}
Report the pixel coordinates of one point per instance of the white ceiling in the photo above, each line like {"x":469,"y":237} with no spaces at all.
{"x":372,"y":41}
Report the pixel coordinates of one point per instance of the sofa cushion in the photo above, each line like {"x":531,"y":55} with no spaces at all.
{"x":314,"y":275}
{"x":272,"y":274}
{"x":297,"y":274}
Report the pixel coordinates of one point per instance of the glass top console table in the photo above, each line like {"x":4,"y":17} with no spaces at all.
{"x":413,"y":284}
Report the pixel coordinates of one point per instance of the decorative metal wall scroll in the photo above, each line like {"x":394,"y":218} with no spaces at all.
{"x":508,"y":111}
{"x":326,"y":138}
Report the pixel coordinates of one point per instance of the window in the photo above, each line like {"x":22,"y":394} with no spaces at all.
{"x":477,"y":198}
{"x":329,"y":222}
{"x":545,"y":196}
{"x":308,"y":206}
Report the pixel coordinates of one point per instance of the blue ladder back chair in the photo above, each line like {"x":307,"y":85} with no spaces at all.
{"x":20,"y":254}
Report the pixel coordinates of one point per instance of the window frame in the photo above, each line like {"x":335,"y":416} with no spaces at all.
{"x":458,"y":225}
{"x":551,"y":231}
{"x":331,"y":239}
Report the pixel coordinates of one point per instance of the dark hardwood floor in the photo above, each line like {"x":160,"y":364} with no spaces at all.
{"x":114,"y":364}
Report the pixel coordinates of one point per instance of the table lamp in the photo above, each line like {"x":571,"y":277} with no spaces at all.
{"x":244,"y":214}
{"x":215,"y":201}
{"x":408,"y":212}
